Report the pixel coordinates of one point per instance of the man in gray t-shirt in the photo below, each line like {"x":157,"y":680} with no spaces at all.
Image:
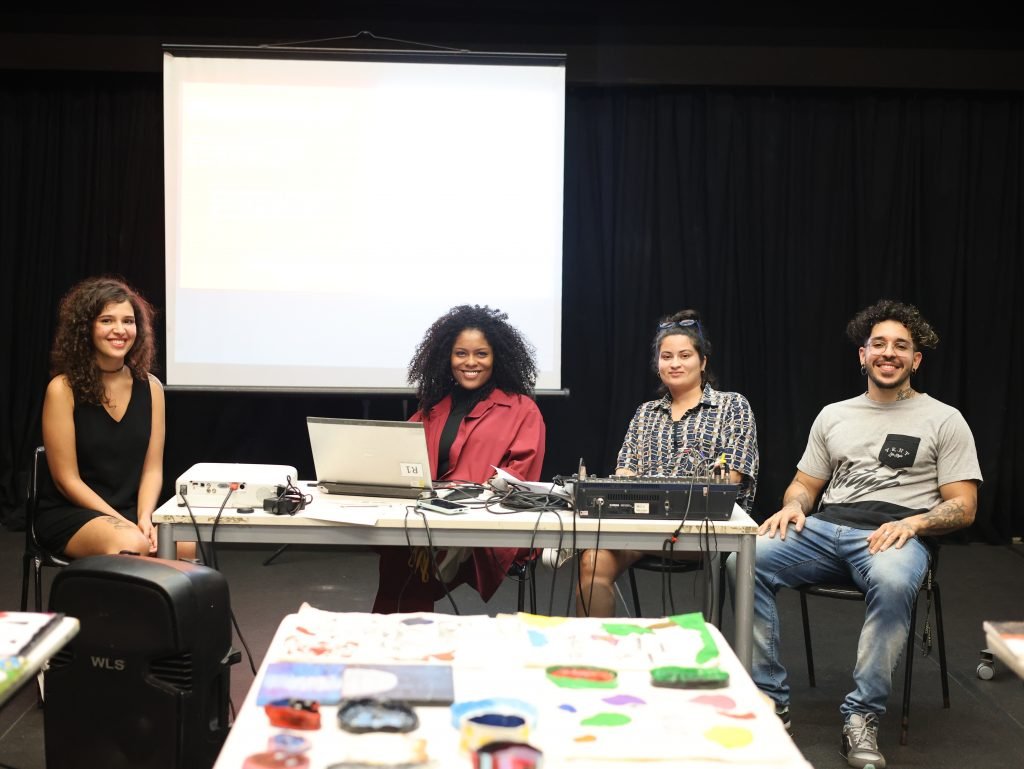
{"x":894,"y":464}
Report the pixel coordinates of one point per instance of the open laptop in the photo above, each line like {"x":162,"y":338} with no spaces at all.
{"x":365,"y":457}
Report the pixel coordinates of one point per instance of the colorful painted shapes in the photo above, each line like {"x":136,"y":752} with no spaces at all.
{"x":717,"y":701}
{"x":625,"y":629}
{"x":538,"y":620}
{"x":674,"y":677}
{"x":624,"y":699}
{"x":582,"y":677}
{"x":695,"y":621}
{"x":606,"y":719}
{"x":507,"y":705}
{"x":730,"y":736}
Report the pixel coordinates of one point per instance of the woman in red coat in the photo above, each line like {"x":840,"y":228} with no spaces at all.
{"x":474,"y":375}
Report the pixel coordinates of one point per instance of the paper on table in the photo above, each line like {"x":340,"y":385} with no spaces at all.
{"x":359,"y":516}
{"x":534,"y":486}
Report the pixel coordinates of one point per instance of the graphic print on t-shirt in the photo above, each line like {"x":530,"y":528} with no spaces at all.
{"x":899,"y":450}
{"x":848,"y":484}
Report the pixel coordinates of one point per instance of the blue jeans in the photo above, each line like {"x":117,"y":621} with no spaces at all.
{"x":827,"y":553}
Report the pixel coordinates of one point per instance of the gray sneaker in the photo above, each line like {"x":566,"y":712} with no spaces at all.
{"x":860,"y":742}
{"x":782,"y":711}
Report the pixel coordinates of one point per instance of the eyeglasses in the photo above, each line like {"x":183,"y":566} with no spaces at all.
{"x":879,"y":345}
{"x":681,"y":324}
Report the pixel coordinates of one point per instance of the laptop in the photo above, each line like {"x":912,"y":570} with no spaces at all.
{"x":365,"y":457}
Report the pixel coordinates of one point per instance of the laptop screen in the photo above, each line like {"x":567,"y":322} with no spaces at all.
{"x":365,"y":456}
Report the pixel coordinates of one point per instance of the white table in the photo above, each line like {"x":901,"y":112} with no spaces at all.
{"x":1005,"y":642}
{"x":691,"y":728}
{"x":368,"y":521}
{"x":49,"y":642}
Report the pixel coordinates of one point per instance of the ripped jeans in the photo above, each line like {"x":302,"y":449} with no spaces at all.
{"x":829,"y":553}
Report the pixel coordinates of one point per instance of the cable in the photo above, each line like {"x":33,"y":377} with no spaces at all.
{"x":242,"y":640}
{"x":514,"y":500}
{"x":533,"y":547}
{"x":195,"y":525}
{"x":216,"y":521}
{"x":211,"y":561}
{"x":289,"y":500}
{"x":432,"y":553}
{"x":558,"y":549}
{"x":593,"y":569}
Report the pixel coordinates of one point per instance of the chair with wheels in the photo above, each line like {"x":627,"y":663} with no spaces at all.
{"x":667,"y":567}
{"x":930,"y":587}
{"x":36,"y":556}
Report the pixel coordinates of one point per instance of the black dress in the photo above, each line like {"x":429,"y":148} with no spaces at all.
{"x":110,"y":459}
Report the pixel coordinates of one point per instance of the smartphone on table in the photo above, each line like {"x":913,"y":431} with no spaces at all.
{"x":443,"y":506}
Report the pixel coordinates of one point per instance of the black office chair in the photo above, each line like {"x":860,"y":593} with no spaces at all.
{"x":36,"y":556}
{"x":659,"y":565}
{"x":930,"y":587}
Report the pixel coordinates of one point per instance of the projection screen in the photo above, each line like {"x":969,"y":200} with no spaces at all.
{"x":322,"y":210}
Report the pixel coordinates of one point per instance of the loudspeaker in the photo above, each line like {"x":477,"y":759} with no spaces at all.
{"x":145,"y":683}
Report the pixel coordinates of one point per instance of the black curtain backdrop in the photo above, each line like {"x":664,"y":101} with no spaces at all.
{"x":777,"y":213}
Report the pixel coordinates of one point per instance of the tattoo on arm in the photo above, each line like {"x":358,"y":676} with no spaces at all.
{"x":947,"y":516}
{"x":802,"y":500}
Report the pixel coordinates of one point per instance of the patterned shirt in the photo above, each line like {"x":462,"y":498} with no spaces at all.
{"x":721,"y":423}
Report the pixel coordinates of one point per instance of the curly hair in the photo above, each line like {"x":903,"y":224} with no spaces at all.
{"x":515,"y":368}
{"x":858,"y":330}
{"x":668,"y":326}
{"x":74,"y":354}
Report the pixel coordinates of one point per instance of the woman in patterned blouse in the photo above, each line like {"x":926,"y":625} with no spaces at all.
{"x":684,"y":433}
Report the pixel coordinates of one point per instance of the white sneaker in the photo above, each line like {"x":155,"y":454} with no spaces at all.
{"x":860,"y":742}
{"x":554,"y":558}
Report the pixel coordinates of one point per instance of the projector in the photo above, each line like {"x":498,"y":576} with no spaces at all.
{"x":208,"y":483}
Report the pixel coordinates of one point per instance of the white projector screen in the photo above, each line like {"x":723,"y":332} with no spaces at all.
{"x":321,"y":213}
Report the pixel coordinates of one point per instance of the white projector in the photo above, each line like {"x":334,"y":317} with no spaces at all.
{"x":208,"y":483}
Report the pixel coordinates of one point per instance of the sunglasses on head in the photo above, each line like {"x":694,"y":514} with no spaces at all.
{"x":681,"y":324}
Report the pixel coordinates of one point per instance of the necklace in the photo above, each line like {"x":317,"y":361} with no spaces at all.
{"x":112,"y":371}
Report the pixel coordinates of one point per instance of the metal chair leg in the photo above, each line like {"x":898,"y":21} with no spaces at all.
{"x":533,"y":585}
{"x":38,"y":568}
{"x":276,"y":553}
{"x":713,"y":601}
{"x":26,"y":559}
{"x":807,"y":640}
{"x":941,"y":636}
{"x":636,"y":594}
{"x":908,"y":673}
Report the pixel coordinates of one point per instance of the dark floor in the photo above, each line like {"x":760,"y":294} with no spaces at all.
{"x":983,"y":728}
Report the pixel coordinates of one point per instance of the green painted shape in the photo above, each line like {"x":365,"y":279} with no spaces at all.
{"x":695,"y":621}
{"x":689,"y":678}
{"x":625,"y":629}
{"x":606,"y":719}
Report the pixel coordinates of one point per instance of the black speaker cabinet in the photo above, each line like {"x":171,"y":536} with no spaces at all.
{"x":145,"y":683}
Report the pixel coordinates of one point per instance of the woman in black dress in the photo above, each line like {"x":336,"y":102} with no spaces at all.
{"x":103,"y":425}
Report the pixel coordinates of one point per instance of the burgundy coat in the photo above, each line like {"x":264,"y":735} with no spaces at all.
{"x":502,"y":430}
